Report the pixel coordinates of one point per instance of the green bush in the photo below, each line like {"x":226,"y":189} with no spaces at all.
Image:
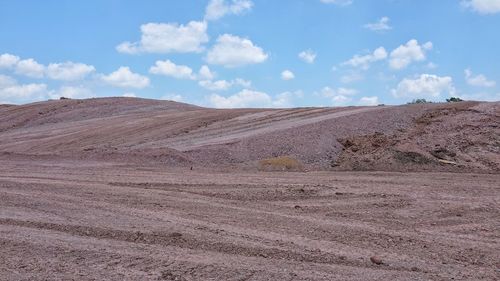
{"x":454,"y":99}
{"x":419,"y":101}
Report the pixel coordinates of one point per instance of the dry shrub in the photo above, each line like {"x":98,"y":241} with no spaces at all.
{"x":281,"y":163}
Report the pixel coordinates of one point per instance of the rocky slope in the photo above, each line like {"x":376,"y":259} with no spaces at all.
{"x":448,"y":137}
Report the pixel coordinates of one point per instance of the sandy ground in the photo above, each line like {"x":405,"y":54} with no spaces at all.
{"x":83,"y":220}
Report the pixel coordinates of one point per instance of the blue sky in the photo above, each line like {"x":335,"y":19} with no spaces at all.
{"x":251,"y":53}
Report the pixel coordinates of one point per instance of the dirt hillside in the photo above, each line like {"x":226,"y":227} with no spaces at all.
{"x":448,"y":137}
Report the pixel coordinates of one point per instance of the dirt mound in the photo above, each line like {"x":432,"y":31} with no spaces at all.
{"x":452,"y":137}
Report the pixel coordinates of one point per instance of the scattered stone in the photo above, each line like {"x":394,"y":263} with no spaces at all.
{"x":376,"y":260}
{"x":175,"y":235}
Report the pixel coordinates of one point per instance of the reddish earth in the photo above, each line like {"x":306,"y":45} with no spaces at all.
{"x":131,"y":189}
{"x":391,"y":138}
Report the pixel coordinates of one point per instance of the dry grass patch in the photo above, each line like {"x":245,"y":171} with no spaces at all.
{"x":281,"y":163}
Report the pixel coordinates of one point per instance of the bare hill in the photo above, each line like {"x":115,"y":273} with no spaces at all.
{"x":450,"y":137}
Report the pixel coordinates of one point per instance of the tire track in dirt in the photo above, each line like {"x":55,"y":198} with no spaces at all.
{"x":363,"y":235}
{"x":345,"y":218}
{"x":180,"y":240}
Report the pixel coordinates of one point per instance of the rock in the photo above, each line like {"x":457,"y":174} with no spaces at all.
{"x":376,"y":260}
{"x":175,"y":235}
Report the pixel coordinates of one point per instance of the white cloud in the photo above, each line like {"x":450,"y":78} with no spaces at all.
{"x":168,"y":68}
{"x":69,"y":71}
{"x":481,"y":96}
{"x":403,"y":55}
{"x":351,"y":77}
{"x":23,"y":91}
{"x":478,"y":80}
{"x":6,"y":81}
{"x":431,"y":65}
{"x":338,"y":2}
{"x":129,"y":95}
{"x":245,"y":98}
{"x":285,"y":99}
{"x":426,"y":85}
{"x":223,"y":85}
{"x":8,"y":60}
{"x":381,"y":25}
{"x":368,"y":101}
{"x":30,"y":68}
{"x":168,"y":38}
{"x":125,"y":78}
{"x":10,"y":90}
{"x":365,"y":61}
{"x":287,"y":75}
{"x":234,"y":51}
{"x":220,"y":85}
{"x":483,"y":6}
{"x":206,"y":74}
{"x":307,"y":56}
{"x":339,"y":96}
{"x":242,"y":82}
{"x":216,"y":9}
{"x":173,"y":97}
{"x":72,"y":92}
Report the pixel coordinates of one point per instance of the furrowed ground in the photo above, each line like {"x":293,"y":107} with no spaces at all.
{"x":135,"y":189}
{"x":82,"y":220}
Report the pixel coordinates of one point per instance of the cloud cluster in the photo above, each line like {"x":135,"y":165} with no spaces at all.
{"x":381,"y":25}
{"x":369,"y":101}
{"x":233,"y":51}
{"x":223,"y":85}
{"x":424,"y":86}
{"x":364,"y":61}
{"x":10,"y":89}
{"x":478,"y":80}
{"x":168,"y":68}
{"x":73,"y":92}
{"x":339,"y":96}
{"x":30,"y":68}
{"x":69,"y":71}
{"x":168,"y":38}
{"x":399,"y":58}
{"x":125,"y":78}
{"x":216,"y":9}
{"x":245,"y":98}
{"x":483,"y":6}
{"x":250,"y":98}
{"x":8,"y":60}
{"x":287,"y":75}
{"x":205,"y":76}
{"x":66,"y":71}
{"x":405,"y":54}
{"x":307,"y":56}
